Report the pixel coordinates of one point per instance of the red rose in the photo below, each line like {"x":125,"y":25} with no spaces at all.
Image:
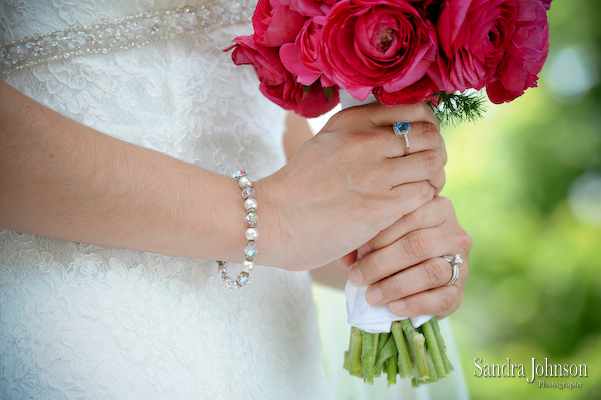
{"x":420,"y":91}
{"x":547,"y":4}
{"x":275,"y":23}
{"x":473,"y":36}
{"x":311,"y":8}
{"x":300,"y":57}
{"x":366,"y":44}
{"x":277,"y":84}
{"x":525,"y":55}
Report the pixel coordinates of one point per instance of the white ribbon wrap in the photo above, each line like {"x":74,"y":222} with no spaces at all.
{"x":360,"y":314}
{"x":372,"y":319}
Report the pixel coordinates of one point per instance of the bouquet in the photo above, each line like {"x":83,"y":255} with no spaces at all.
{"x":401,"y":52}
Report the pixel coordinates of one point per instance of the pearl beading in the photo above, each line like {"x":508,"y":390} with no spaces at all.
{"x":250,"y":250}
{"x":125,"y":33}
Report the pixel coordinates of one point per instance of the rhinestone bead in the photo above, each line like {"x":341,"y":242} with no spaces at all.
{"x":228,"y":282}
{"x":243,"y":278}
{"x":248,"y":192}
{"x":239,"y":174}
{"x":252,"y":219}
{"x":250,"y":251}
{"x":123,"y":33}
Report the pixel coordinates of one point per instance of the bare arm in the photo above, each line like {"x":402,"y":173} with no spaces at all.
{"x":64,"y":180}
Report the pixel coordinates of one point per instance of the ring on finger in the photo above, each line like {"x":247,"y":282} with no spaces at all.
{"x":401,"y":129}
{"x":455,"y":262}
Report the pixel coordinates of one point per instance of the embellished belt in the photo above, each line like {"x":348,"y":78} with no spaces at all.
{"x":124,"y":33}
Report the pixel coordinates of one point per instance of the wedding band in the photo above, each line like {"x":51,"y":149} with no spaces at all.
{"x":401,"y":129}
{"x":455,"y":263}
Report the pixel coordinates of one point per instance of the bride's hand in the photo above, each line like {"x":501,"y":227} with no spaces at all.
{"x":405,"y":267}
{"x":349,"y":182}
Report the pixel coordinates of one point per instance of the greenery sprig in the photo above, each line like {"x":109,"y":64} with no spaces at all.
{"x":453,"y":108}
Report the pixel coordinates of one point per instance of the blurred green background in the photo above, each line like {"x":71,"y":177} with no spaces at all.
{"x":526,"y":184}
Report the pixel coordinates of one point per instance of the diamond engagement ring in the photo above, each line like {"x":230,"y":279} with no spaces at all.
{"x":455,"y":263}
{"x":401,"y":129}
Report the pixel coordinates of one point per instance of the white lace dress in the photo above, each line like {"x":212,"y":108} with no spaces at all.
{"x":79,"y":321}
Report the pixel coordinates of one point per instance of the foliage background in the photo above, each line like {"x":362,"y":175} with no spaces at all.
{"x":526,"y":183}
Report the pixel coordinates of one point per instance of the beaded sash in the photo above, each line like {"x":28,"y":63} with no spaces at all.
{"x":124,"y":33}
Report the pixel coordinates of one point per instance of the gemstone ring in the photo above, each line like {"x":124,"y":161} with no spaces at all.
{"x":455,"y":263}
{"x":401,"y":129}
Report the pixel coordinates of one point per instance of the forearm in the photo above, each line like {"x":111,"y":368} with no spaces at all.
{"x":63,"y":180}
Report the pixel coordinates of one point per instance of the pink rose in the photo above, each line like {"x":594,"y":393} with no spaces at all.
{"x":419,"y":91}
{"x":311,"y":8}
{"x":300,"y":57}
{"x":367,"y":44}
{"x":277,"y":84}
{"x":547,"y":4}
{"x":473,"y":36}
{"x":275,"y":23}
{"x":525,"y":55}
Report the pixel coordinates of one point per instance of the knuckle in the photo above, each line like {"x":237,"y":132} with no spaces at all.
{"x":432,"y":161}
{"x":445,"y":202}
{"x":372,"y":269}
{"x":447,"y":298}
{"x":395,"y":288}
{"x":436,"y":272}
{"x":432,"y":136}
{"x":416,"y":218}
{"x":416,"y":245}
{"x":465,"y":240}
{"x":423,"y":190}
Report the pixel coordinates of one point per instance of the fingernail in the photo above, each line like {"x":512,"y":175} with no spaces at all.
{"x":398,"y":306}
{"x":374,"y":296}
{"x":355,"y":275}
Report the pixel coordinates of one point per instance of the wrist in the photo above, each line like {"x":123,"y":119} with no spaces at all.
{"x":271,"y":243}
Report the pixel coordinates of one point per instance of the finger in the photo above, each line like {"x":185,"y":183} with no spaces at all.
{"x":427,"y":275}
{"x":346,"y":261}
{"x":430,"y":215}
{"x":409,"y":250}
{"x":422,"y":136}
{"x":423,"y":166}
{"x":442,"y":301}
{"x":403,"y":200}
{"x":388,"y":116}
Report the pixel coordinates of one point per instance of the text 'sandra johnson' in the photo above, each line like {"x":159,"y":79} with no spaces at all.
{"x":546,"y":370}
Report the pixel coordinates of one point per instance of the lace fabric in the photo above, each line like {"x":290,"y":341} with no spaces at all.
{"x":82,"y":321}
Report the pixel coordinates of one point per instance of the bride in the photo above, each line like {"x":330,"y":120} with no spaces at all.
{"x":121,"y":123}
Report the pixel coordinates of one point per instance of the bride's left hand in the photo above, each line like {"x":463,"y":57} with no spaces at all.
{"x":404,"y":264}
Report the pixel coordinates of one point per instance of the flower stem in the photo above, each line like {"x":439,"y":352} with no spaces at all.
{"x":404,"y":361}
{"x":434,"y":350}
{"x":392,"y":370}
{"x":368,"y":357}
{"x":355,"y":352}
{"x":417,"y":345}
{"x":443,"y":349}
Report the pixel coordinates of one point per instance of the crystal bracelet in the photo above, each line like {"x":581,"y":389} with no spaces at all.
{"x":250,"y":205}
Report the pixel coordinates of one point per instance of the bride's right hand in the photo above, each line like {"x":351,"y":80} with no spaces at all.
{"x":349,"y":182}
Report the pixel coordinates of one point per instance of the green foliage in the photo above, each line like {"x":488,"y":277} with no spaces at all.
{"x":453,"y":108}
